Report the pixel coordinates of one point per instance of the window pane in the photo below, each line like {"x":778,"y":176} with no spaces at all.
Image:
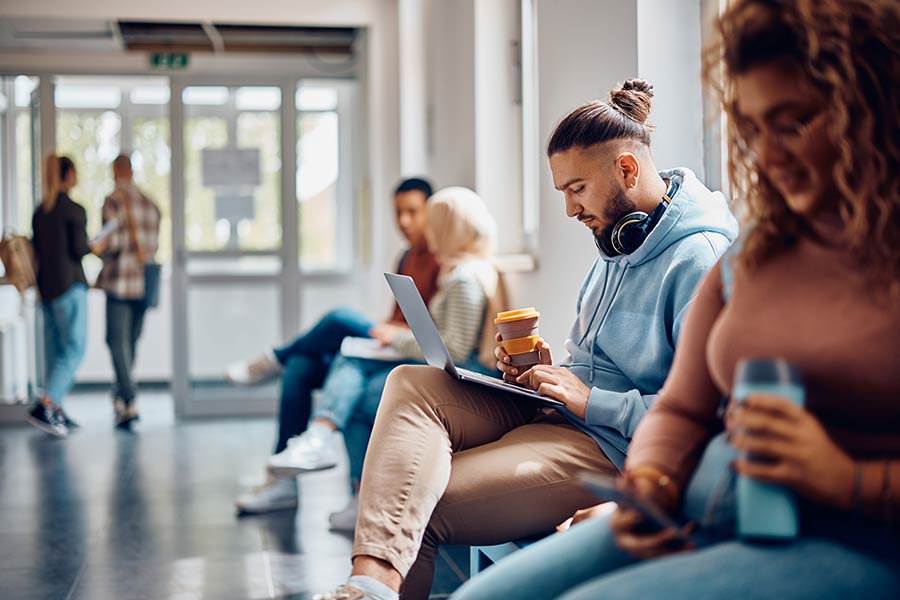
{"x":24,"y":180}
{"x":317,"y":175}
{"x":24,"y":86}
{"x":257,"y":98}
{"x":262,"y":131}
{"x":150,"y":94}
{"x":151,"y":159}
{"x":87,"y":96}
{"x":205,"y":96}
{"x":201,"y":133}
{"x":310,"y":97}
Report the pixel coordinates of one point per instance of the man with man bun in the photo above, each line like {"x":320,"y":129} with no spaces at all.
{"x":454,"y":463}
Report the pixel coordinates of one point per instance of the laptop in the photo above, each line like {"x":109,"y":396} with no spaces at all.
{"x":429,"y":339}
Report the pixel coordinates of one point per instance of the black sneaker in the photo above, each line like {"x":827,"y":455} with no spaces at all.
{"x":69,"y":421}
{"x":124,"y":418}
{"x":47,"y":420}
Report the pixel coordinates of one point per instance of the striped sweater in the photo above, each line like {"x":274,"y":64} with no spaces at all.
{"x":458,"y":311}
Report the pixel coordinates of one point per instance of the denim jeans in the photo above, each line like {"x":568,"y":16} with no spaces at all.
{"x":359,"y":428}
{"x":124,"y":323}
{"x":65,"y":339}
{"x":325,"y":337}
{"x":306,"y":361}
{"x":347,"y":384}
{"x":835,"y":557}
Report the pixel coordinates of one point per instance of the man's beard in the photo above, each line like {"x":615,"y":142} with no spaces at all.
{"x":617,"y":207}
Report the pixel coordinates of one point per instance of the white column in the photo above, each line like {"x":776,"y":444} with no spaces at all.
{"x":498,"y":117}
{"x":412,"y":25}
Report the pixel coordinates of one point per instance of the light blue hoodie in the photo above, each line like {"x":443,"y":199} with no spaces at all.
{"x":631,"y":309}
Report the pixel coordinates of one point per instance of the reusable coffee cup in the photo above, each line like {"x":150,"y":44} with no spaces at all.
{"x":765,"y":510}
{"x":519,"y":336}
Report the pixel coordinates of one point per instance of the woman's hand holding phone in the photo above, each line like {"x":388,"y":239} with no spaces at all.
{"x":635,"y":533}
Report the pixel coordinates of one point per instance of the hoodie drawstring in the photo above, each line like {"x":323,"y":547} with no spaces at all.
{"x":603,"y":320}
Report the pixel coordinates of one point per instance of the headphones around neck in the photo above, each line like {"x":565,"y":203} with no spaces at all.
{"x":632,"y":229}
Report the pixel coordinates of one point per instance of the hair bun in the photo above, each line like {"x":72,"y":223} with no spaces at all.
{"x":632,"y":98}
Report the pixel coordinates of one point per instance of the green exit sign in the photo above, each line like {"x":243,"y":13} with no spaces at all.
{"x":169,"y":60}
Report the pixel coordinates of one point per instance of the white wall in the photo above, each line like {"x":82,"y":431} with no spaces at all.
{"x":668,"y":40}
{"x":498,"y":117}
{"x":451,"y":97}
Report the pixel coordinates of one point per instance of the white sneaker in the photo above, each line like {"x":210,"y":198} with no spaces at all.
{"x":279,"y":493}
{"x":345,"y":519}
{"x":312,"y":450}
{"x":251,"y":372}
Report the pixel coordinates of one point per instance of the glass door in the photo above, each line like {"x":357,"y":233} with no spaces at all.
{"x":234,"y":293}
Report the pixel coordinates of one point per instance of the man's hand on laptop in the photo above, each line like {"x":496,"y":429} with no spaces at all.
{"x":560,"y":384}
{"x":510,"y":373}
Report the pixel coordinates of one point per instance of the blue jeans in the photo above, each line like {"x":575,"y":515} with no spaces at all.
{"x":124,"y":323}
{"x":359,"y":427}
{"x":347,"y":384}
{"x":306,"y":361}
{"x":835,"y":557}
{"x":65,"y":339}
{"x":325,"y":337}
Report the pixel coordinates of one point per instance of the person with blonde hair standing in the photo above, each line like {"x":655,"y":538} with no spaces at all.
{"x":60,"y":241}
{"x":131,"y":245}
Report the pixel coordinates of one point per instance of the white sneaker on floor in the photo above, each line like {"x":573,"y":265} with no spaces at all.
{"x":312,"y":450}
{"x":345,"y":519}
{"x":279,"y":493}
{"x":251,"y":372}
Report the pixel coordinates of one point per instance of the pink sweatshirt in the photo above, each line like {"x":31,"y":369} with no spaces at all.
{"x":810,"y":305}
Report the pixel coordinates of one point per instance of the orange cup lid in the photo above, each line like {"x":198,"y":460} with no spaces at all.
{"x":515,"y":315}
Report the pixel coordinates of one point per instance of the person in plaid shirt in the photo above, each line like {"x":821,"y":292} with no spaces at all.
{"x":129,"y":246}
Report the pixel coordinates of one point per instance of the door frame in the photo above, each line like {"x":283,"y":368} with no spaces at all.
{"x":188,"y":400}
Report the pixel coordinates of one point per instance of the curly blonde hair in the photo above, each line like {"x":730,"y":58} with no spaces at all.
{"x":849,"y":50}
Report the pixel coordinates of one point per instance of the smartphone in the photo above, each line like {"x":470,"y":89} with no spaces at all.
{"x":606,"y":488}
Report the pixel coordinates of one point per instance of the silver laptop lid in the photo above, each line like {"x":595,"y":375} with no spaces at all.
{"x":420,"y":322}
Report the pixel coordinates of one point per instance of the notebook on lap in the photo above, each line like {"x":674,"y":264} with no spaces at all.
{"x":429,"y":339}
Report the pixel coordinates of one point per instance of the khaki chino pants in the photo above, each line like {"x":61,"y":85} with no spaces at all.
{"x":457,"y":463}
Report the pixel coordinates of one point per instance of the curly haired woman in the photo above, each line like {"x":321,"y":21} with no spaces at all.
{"x":811,"y":88}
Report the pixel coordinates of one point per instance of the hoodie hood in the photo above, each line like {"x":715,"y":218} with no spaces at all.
{"x":694,"y":208}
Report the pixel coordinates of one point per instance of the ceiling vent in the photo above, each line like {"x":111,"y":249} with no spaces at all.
{"x":204,"y":37}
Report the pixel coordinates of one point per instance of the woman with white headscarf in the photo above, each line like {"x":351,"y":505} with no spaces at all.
{"x":461,"y":233}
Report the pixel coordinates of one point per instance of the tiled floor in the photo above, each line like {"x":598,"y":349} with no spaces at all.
{"x":149,"y":514}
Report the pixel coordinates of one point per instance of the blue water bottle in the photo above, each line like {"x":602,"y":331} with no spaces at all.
{"x":764,"y":510}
